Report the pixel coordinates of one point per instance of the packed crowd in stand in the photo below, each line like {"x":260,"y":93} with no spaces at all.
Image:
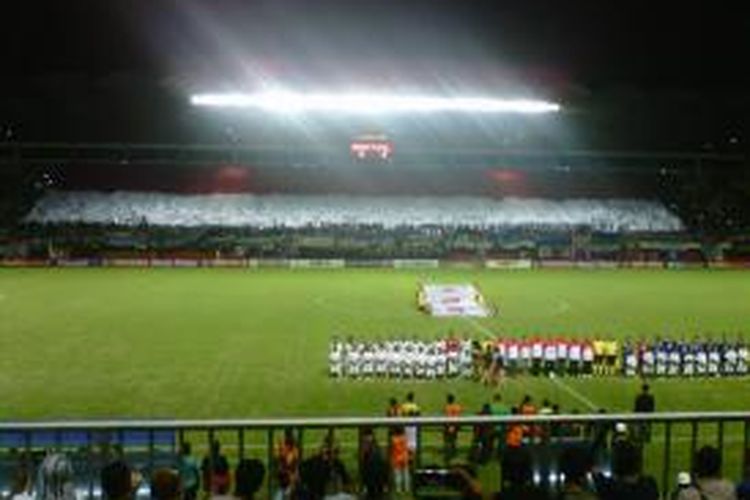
{"x":295,"y":211}
{"x":490,"y":359}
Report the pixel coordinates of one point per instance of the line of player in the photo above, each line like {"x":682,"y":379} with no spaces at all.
{"x":402,"y":359}
{"x":491,"y":358}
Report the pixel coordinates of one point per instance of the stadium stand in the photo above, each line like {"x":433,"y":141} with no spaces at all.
{"x":290,"y":211}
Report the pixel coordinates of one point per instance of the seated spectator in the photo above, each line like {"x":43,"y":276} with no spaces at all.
{"x":189,"y":472}
{"x":517,"y":477}
{"x":215,"y":469}
{"x":575,"y":464}
{"x":248,"y":478}
{"x":165,"y":485}
{"x":627,"y":480}
{"x":707,"y":481}
{"x":119,"y":482}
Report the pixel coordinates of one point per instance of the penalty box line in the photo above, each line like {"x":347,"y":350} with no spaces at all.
{"x":559,"y":383}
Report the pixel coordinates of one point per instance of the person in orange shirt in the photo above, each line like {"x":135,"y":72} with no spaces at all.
{"x":394,"y":408}
{"x":400,"y":461}
{"x":450,"y":433}
{"x":515,"y":432}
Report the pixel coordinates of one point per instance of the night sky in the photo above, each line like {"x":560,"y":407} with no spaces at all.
{"x":560,"y":49}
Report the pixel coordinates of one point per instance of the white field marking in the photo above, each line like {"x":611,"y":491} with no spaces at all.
{"x":580,"y":397}
{"x":480,"y":327}
{"x":562,"y":307}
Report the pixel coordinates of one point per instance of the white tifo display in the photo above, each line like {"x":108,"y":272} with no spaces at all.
{"x":452,"y":300}
{"x":299,"y":211}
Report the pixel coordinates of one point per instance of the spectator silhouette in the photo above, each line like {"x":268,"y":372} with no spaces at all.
{"x":118,"y":481}
{"x":165,"y":485}
{"x":628,"y":481}
{"x":575,"y":464}
{"x":215,"y":469}
{"x":708,"y":483}
{"x":248,"y":478}
{"x":373,"y":467}
{"x":517,"y":477}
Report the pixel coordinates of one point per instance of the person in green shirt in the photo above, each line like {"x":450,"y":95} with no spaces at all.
{"x":499,"y":409}
{"x":189,"y":471}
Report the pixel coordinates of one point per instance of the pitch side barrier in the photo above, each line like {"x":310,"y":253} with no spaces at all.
{"x":245,"y":263}
{"x":148,"y":444}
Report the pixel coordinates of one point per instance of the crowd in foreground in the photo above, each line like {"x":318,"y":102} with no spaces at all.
{"x":491,"y":359}
{"x":394,"y":469}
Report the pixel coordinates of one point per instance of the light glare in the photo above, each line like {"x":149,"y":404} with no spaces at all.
{"x":293,"y":102}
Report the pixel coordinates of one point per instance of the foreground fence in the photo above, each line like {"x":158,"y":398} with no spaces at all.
{"x":672,"y":440}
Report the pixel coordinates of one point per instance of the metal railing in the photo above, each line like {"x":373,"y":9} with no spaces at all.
{"x":674,"y":438}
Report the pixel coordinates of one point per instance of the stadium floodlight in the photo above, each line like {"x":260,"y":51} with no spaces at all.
{"x":294,"y":102}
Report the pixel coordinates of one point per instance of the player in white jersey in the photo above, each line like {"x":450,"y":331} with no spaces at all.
{"x":420,"y":364}
{"x":429,"y":367}
{"x":367,"y":367}
{"x":512,"y":354}
{"x":729,"y":361}
{"x":587,"y":355}
{"x":381,"y":360}
{"x":441,"y":363}
{"x":630,"y":359}
{"x":662,"y":358}
{"x":466,"y":359}
{"x":452,"y":364}
{"x":701,"y":360}
{"x":743,"y":358}
{"x":537,"y":356}
{"x":407,"y":364}
{"x":353,"y":361}
{"x":648,"y":360}
{"x":675,"y":360}
{"x":688,"y":361}
{"x":393,"y":358}
{"x":562,"y":356}
{"x":714,"y":360}
{"x":574,"y":358}
{"x":335,"y":360}
{"x":550,"y":357}
{"x":524,"y":363}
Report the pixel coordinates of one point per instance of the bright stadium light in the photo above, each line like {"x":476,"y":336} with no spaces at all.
{"x":294,"y":102}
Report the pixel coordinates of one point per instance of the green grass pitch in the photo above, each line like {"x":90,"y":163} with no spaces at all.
{"x":197,"y":343}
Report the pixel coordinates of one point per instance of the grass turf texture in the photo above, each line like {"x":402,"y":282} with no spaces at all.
{"x":199,"y":343}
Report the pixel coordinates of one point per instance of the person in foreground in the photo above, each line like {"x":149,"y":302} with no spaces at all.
{"x":708,"y":483}
{"x":119,"y":482}
{"x":517,"y":478}
{"x":628,"y":481}
{"x":576,"y":466}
